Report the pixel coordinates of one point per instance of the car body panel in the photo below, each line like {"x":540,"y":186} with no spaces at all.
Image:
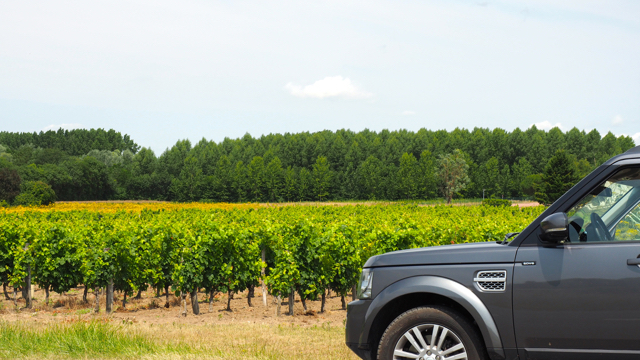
{"x":469,"y":253}
{"x":577,"y":297}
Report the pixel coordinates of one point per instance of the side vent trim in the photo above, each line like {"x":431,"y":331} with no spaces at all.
{"x":491,"y":280}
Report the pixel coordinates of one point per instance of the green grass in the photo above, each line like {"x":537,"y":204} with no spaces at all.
{"x":77,"y":340}
{"x":100,"y":340}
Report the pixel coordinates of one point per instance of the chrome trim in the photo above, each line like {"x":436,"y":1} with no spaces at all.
{"x":491,"y":280}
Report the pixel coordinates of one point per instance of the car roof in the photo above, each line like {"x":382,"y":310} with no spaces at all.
{"x":633,"y":153}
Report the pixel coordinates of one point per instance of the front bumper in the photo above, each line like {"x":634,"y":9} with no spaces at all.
{"x":356,"y":314}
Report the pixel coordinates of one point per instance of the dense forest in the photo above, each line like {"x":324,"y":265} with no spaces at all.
{"x":341,"y":165}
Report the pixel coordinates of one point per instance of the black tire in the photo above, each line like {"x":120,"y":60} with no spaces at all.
{"x":425,"y":317}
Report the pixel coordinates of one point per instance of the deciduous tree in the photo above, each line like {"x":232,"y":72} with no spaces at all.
{"x":452,"y":174}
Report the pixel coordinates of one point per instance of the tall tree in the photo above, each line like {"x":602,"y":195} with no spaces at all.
{"x":188,"y":186}
{"x":241,"y":182}
{"x":9,"y":184}
{"x":256,"y":178}
{"x":489,"y":176}
{"x":519,"y":172}
{"x":290,"y":184}
{"x":305,"y":184}
{"x":427,"y":183}
{"x":408,"y":177}
{"x":371,"y":178}
{"x":273,"y":179}
{"x":452,"y":174}
{"x":321,"y":178}
{"x":558,"y":177}
{"x":221,"y":182}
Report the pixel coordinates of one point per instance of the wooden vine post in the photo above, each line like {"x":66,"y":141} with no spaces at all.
{"x":229,"y":298}
{"x":109,"y":305}
{"x":262,"y":272}
{"x":166,"y":296}
{"x":211,"y":295}
{"x":183,"y":297}
{"x":292,"y":298}
{"x":96,"y":292}
{"x":6,"y":294}
{"x":29,"y":297}
{"x":194,"y":302}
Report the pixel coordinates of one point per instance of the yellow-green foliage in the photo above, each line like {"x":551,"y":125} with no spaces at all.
{"x":308,"y":248}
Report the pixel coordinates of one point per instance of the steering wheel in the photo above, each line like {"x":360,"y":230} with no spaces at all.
{"x":600,"y":227}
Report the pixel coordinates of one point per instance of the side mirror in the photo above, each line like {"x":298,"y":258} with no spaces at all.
{"x":555,"y":228}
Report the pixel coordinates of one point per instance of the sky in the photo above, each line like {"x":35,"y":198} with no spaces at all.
{"x":162,"y":70}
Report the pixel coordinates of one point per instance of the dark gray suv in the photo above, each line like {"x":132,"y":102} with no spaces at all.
{"x":566,"y":287}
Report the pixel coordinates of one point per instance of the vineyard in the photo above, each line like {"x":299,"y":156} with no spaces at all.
{"x":181,"y":249}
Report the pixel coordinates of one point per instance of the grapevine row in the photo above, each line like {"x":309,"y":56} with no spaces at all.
{"x":304,"y":250}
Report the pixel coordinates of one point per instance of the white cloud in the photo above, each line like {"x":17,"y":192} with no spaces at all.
{"x":408,"y":112}
{"x":617,"y":120}
{"x":61,"y":126}
{"x":636,"y":138}
{"x":546,"y":125}
{"x":330,"y":86}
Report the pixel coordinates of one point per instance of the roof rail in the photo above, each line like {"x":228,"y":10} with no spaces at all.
{"x":633,"y":150}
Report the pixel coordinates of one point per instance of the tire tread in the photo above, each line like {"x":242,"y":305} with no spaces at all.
{"x":479,"y":351}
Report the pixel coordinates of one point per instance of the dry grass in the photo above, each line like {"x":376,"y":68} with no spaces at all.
{"x":69,"y":303}
{"x":103,"y":338}
{"x":148,"y":330}
{"x":256,"y":341}
{"x":153,"y":304}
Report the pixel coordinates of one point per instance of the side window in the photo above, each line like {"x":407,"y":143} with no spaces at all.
{"x":610,"y":212}
{"x":629,"y":226}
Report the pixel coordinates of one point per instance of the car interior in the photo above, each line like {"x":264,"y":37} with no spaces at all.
{"x":610,"y":212}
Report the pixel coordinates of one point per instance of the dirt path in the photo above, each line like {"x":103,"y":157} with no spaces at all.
{"x":151,"y":310}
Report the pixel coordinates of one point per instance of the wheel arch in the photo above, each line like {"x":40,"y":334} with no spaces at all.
{"x":429,"y":290}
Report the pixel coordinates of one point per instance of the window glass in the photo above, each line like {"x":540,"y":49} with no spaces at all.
{"x":629,"y":227}
{"x":610,"y":212}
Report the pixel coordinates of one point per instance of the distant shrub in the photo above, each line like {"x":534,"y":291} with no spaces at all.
{"x":4,"y":203}
{"x":35,"y":193}
{"x":496,"y":202}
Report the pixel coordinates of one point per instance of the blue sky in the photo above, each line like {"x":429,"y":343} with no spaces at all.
{"x":164,"y":70}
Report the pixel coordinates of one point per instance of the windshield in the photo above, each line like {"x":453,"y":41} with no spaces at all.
{"x":610,"y":212}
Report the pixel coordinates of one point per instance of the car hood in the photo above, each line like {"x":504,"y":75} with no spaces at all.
{"x":470,"y":253}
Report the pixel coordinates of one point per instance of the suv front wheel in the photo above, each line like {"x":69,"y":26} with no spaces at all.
{"x":430,"y":333}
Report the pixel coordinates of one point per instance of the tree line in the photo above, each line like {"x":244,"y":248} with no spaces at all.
{"x":326,"y":165}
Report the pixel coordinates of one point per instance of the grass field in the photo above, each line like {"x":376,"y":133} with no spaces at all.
{"x":98,"y":339}
{"x":69,"y":329}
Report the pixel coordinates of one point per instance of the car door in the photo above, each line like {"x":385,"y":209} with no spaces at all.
{"x":581,"y":299}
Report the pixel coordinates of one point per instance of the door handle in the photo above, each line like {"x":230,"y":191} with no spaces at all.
{"x":633,"y":261}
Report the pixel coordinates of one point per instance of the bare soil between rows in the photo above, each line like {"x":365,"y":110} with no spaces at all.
{"x":150,"y":309}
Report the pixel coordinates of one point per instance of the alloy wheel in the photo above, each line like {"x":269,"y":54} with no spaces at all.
{"x":429,"y":342}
